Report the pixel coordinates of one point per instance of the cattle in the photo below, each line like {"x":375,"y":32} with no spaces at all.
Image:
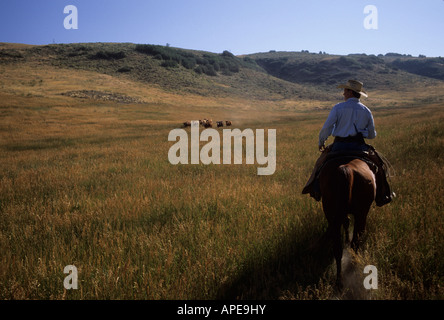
{"x":208,"y":123}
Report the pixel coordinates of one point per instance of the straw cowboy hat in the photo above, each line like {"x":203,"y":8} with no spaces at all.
{"x":355,"y":86}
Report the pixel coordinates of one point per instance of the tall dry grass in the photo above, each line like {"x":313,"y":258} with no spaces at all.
{"x":89,"y":184}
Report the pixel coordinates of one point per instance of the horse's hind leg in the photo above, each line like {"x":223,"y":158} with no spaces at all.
{"x":346,"y":229}
{"x":333,"y":234}
{"x":337,"y":252}
{"x":359,"y":228}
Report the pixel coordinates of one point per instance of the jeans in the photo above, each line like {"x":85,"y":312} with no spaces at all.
{"x":349,"y":146}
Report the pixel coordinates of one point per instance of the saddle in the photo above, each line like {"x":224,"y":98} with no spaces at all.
{"x":363,"y":152}
{"x":368,"y":156}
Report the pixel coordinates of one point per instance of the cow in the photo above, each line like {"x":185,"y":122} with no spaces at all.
{"x":208,"y":123}
{"x":220,"y":123}
{"x":228,"y":123}
{"x":187,"y":124}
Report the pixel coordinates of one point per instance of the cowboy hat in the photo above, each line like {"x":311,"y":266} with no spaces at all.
{"x":354,"y":85}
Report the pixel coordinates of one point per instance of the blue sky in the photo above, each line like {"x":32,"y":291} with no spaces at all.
{"x":240,"y":26}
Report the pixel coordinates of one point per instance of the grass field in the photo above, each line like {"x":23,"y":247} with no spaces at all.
{"x":88,"y":183}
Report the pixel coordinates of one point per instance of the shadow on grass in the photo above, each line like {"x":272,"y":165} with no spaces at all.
{"x":300,"y":260}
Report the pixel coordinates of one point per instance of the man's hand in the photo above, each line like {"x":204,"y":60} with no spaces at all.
{"x":322,"y":147}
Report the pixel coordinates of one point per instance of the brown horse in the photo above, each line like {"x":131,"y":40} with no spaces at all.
{"x":348,"y":187}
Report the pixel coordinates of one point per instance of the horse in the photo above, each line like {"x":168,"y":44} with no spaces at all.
{"x":348,"y":186}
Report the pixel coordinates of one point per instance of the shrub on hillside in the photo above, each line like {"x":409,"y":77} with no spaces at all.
{"x":227,"y":54}
{"x":189,"y":63}
{"x":105,"y":55}
{"x":198,"y":70}
{"x":124,"y":69}
{"x":170,"y":64}
{"x":168,"y":54}
{"x":208,"y":63}
{"x":209,"y":70}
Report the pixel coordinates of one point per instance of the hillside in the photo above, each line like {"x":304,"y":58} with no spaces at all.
{"x":171,"y":69}
{"x":327,"y":70}
{"x":263,"y":76}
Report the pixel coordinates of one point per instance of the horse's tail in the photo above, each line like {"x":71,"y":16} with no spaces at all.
{"x":346,"y":182}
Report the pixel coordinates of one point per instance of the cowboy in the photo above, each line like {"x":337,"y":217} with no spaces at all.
{"x":350,"y":122}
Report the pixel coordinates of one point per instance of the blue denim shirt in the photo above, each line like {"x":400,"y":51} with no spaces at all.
{"x":348,"y":118}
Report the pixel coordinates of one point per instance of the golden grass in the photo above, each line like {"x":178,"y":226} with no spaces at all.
{"x":88,"y":183}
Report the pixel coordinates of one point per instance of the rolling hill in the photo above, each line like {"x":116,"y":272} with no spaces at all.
{"x":323,"y":69}
{"x":271,"y":76}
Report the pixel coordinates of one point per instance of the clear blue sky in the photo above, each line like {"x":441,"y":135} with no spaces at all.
{"x":240,"y":26}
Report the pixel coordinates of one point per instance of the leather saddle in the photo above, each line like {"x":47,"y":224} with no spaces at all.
{"x":368,"y":156}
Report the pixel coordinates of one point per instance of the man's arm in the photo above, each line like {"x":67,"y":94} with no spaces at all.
{"x":371,"y":128}
{"x":327,"y":129}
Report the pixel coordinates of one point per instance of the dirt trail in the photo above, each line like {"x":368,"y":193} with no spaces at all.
{"x":353,"y":278}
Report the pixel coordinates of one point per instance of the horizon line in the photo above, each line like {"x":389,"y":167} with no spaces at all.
{"x":321,"y":52}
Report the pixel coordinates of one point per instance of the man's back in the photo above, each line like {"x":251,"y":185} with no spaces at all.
{"x":348,"y":119}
